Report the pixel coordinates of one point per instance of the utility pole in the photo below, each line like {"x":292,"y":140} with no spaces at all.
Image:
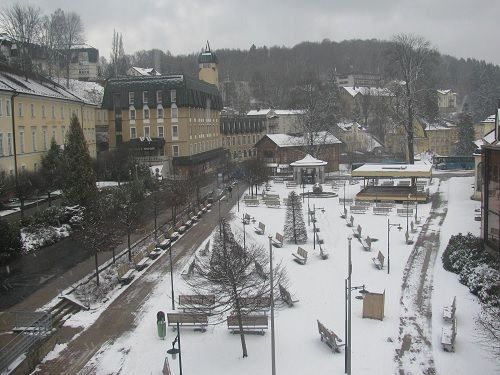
{"x":273,"y":347}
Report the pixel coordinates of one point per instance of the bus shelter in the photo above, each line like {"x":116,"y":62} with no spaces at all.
{"x":393,"y":182}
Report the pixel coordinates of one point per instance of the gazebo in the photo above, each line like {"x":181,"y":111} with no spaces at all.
{"x":309,"y":170}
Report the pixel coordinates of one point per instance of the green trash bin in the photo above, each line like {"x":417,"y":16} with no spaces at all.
{"x":162,"y":329}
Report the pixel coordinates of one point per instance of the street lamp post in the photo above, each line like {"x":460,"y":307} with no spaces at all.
{"x":273,"y":346}
{"x":177,"y":339}
{"x":220,"y":223}
{"x":407,"y":208}
{"x":389,"y":225}
{"x":238,"y":196}
{"x":244,"y":233}
{"x":344,"y":197}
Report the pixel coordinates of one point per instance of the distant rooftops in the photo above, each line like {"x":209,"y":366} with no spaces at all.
{"x":295,"y":140}
{"x":275,"y":112}
{"x":371,"y":91}
{"x":137,"y":71}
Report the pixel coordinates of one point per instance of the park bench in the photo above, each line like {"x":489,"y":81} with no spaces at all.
{"x":273,"y":204}
{"x":357,"y":209}
{"x":448,"y":336}
{"x":405,"y":212}
{"x":197,"y":302}
{"x":382,"y":210}
{"x":409,"y":239}
{"x":343,"y":215}
{"x":350,"y":223}
{"x":278,"y":242}
{"x":140,"y":261}
{"x":404,"y":183}
{"x":345,"y":200}
{"x":250,"y":323}
{"x":188,"y":224}
{"x":449,"y":311}
{"x":286,"y":296}
{"x":379,"y":260}
{"x":255,"y":303}
{"x":291,"y":185}
{"x":387,"y":183}
{"x":319,"y":240}
{"x":125,"y":274}
{"x":260,"y":229}
{"x":199,"y":321}
{"x":246,"y":219}
{"x":367,"y":243}
{"x":200,"y":213}
{"x":362,"y":203}
{"x":278,"y":180}
{"x":206,"y":249}
{"x":329,"y":338}
{"x":154,"y":253}
{"x":188,"y":271}
{"x":208,"y":206}
{"x":300,"y":256}
{"x":181,"y":229}
{"x":413,"y":227}
{"x":357,"y":233}
{"x":204,"y":209}
{"x":172,"y":235}
{"x":384,"y":205}
{"x":260,"y":271}
{"x":251,"y":202}
{"x":164,"y":244}
{"x":323,"y":254}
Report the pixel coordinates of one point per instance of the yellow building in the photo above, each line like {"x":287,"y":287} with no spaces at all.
{"x":32,"y":112}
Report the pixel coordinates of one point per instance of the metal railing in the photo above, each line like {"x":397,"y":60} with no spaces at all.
{"x":35,"y":327}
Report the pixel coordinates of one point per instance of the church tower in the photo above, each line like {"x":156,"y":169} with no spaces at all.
{"x":207,"y":66}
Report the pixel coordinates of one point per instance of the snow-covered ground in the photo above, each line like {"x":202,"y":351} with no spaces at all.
{"x":319,"y":287}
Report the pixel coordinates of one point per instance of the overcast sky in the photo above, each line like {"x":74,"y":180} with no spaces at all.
{"x":462,"y":28}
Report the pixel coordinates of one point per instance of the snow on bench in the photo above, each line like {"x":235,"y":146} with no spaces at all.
{"x":357,"y":232}
{"x":409,"y":239}
{"x":250,"y":323}
{"x":164,"y":244}
{"x":291,"y":185}
{"x":300,"y":256}
{"x":286,"y":296}
{"x":140,"y":261}
{"x":448,"y":336}
{"x":246,"y":219}
{"x":379,"y":260}
{"x":329,"y":338}
{"x":350,"y":223}
{"x":251,"y":202}
{"x":273,"y":203}
{"x":278,"y":242}
{"x":405,"y":212}
{"x":323,"y":254}
{"x":188,"y":271}
{"x":197,"y":302}
{"x":382,"y":210}
{"x":125,"y":274}
{"x":260,"y":229}
{"x":199,"y":321}
{"x":367,"y":243}
{"x":449,"y":311}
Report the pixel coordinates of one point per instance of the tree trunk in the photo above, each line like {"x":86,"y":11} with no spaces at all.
{"x":128,"y":244}
{"x":49,"y":198}
{"x":96,"y":268}
{"x":21,"y":200}
{"x":240,"y":324}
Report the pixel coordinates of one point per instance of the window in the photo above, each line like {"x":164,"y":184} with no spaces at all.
{"x":7,"y":107}
{"x":131,"y":98}
{"x":158,"y":97}
{"x":20,"y":109}
{"x":33,"y":138}
{"x":133,"y":132}
{"x":175,"y":112}
{"x":146,"y":113}
{"x":175,"y":151}
{"x":1,"y":144}
{"x":161,"y":132}
{"x":147,"y":133}
{"x":160,"y":112}
{"x":44,"y":131}
{"x":132,"y":114}
{"x":53,"y":112}
{"x":173,"y":96}
{"x":43,"y":111}
{"x":144,"y":97}
{"x":175,"y":131}
{"x":54,"y":133}
{"x":21,"y":140}
{"x":9,"y":143}
{"x":32,"y":110}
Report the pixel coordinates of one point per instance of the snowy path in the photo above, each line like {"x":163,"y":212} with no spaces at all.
{"x":414,"y":354}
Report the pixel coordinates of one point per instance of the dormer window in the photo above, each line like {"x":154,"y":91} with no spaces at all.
{"x":158,"y":97}
{"x":144,"y":97}
{"x":131,"y":98}
{"x":173,"y":96}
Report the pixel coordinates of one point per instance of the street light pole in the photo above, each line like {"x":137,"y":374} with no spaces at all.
{"x":348,"y":343}
{"x":389,"y":225}
{"x":273,"y":347}
{"x":244,"y":233}
{"x":178,"y":338}
{"x":171,"y":276}
{"x":407,"y":207}
{"x":344,"y":196}
{"x":238,"y":196}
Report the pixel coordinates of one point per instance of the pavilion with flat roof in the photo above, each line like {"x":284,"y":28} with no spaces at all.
{"x":393,"y":182}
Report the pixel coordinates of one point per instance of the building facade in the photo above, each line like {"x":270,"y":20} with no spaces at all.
{"x":84,"y":64}
{"x":481,"y":129}
{"x":447,"y":100}
{"x":356,"y":138}
{"x":280,"y":121}
{"x":359,"y":79}
{"x":240,"y":134}
{"x":34,"y":111}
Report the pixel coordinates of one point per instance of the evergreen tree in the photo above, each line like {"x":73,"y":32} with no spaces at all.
{"x":465,"y":143}
{"x":79,"y":182}
{"x":51,"y":171}
{"x":10,"y":241}
{"x":295,"y":228}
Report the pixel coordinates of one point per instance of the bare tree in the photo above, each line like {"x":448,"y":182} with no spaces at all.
{"x":409,"y":55}
{"x":22,"y":24}
{"x":230,"y":275}
{"x":490,"y":328}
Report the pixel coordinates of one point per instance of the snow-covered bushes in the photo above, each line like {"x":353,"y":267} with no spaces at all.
{"x":465,"y":256}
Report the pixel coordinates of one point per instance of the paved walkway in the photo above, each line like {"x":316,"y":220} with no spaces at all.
{"x":414,"y":354}
{"x":120,"y":315}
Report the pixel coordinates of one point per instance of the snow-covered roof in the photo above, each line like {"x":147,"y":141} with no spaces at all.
{"x":277,"y":112}
{"x":308,"y":161}
{"x":347,"y":126}
{"x":284,"y":112}
{"x":444,"y":92}
{"x":38,"y":87}
{"x":146,"y":71}
{"x":393,"y":170}
{"x":294,"y":140}
{"x":89,"y":92}
{"x":371,"y":91}
{"x":489,"y":119}
{"x":259,"y":112}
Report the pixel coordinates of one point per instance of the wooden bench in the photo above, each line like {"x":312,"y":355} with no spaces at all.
{"x":125,"y":274}
{"x":197,"y":302}
{"x":367,"y":243}
{"x":259,"y":270}
{"x":345,"y":200}
{"x":153,"y":253}
{"x":409,"y":239}
{"x":246,"y":219}
{"x":384,"y":205}
{"x":199,"y":321}
{"x":362,"y":203}
{"x":278,"y":180}
{"x":273,"y":204}
{"x":278,"y":242}
{"x":357,"y":233}
{"x":448,"y":336}
{"x":357,"y":209}
{"x":291,"y":185}
{"x":387,"y":183}
{"x":260,"y":229}
{"x":251,"y":202}
{"x":350,"y":223}
{"x":164,"y":244}
{"x":405,"y":212}
{"x":255,"y":303}
{"x":329,"y":338}
{"x":319,"y":240}
{"x":181,"y":229}
{"x":188,"y":271}
{"x":379,"y":260}
{"x":172,"y":235}
{"x":286,"y":296}
{"x":343,"y":215}
{"x":382,"y":210}
{"x":300,"y":256}
{"x":449,"y":311}
{"x":250,"y":323}
{"x":140,"y":261}
{"x":323,"y":254}
{"x":271,"y":197}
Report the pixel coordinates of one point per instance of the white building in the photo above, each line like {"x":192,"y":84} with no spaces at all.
{"x":280,"y":121}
